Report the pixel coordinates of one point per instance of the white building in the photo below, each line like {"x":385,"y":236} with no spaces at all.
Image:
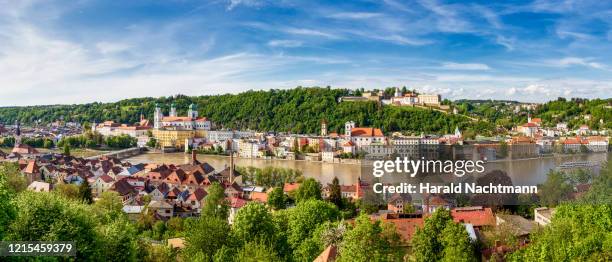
{"x":110,"y":128}
{"x":430,"y":99}
{"x":328,"y":156}
{"x":562,"y":127}
{"x":528,"y":129}
{"x":189,"y":122}
{"x":597,"y":144}
{"x":363,"y":136}
{"x":224,"y":135}
{"x":248,"y":149}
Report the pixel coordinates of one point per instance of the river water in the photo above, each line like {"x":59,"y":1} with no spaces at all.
{"x":522,"y":172}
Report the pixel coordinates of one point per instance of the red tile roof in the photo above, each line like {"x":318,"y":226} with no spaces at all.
{"x":288,"y":187}
{"x":31,"y":168}
{"x":477,"y":216}
{"x":198,"y":194}
{"x":366,"y":131}
{"x":237,"y":202}
{"x":259,"y":197}
{"x":24,"y":149}
{"x":406,"y":227}
{"x":106,"y":178}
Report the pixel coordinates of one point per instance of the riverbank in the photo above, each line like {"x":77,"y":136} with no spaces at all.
{"x":325,"y":172}
{"x":76,"y":152}
{"x":549,"y":156}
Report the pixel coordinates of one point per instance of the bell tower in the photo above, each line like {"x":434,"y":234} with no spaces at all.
{"x":348,"y":127}
{"x":157,"y":117}
{"x":173,"y":110}
{"x":193,"y":111}
{"x":323,"y":128}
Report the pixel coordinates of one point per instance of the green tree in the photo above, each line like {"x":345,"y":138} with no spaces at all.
{"x":158,"y":230}
{"x":204,"y":236}
{"x":52,"y":217}
{"x":365,"y":242}
{"x":256,"y":252}
{"x":152,"y":142}
{"x":601,"y":188}
{"x":119,"y":241}
{"x":66,"y":150}
{"x":277,"y":199}
{"x":577,"y":232}
{"x":408,"y":208}
{"x":309,"y":189}
{"x":215,"y":203}
{"x":7,"y":209}
{"x":108,"y":207}
{"x":68,"y":190}
{"x":175,"y":226}
{"x":48,"y":144}
{"x":85,"y":192}
{"x":304,"y":218}
{"x":253,"y":222}
{"x":335,"y":193}
{"x":433,"y":241}
{"x":157,"y":253}
{"x":456,"y":242}
{"x":14,"y":180}
{"x":555,"y":189}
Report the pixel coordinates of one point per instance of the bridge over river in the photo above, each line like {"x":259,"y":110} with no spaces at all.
{"x":121,"y":154}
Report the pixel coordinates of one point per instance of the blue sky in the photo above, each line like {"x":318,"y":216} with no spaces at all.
{"x":58,"y":52}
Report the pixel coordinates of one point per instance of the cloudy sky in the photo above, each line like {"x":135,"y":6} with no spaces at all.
{"x":77,"y":51}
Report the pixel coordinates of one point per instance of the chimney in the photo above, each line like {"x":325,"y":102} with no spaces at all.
{"x":358,"y":188}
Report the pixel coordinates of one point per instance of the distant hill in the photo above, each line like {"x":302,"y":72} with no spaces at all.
{"x":596,"y":113}
{"x":298,"y":110}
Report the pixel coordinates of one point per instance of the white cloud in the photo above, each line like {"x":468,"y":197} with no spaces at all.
{"x":506,"y":42}
{"x":466,"y":66}
{"x":108,"y":47}
{"x":285,"y":43}
{"x":563,"y":34}
{"x":397,"y":5}
{"x":572,"y":61}
{"x":40,"y":66}
{"x":250,"y":3}
{"x":536,"y":89}
{"x":355,"y":15}
{"x":310,"y":32}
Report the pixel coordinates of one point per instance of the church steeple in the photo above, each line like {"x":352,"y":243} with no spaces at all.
{"x":173,"y":110}
{"x":193,"y":111}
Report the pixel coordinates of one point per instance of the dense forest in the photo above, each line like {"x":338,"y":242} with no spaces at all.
{"x":298,"y":110}
{"x":596,"y":113}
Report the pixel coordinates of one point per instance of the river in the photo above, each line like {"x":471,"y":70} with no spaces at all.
{"x":522,"y":172}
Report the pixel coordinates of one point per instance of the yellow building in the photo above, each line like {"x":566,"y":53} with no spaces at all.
{"x":174,"y":131}
{"x":175,"y":137}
